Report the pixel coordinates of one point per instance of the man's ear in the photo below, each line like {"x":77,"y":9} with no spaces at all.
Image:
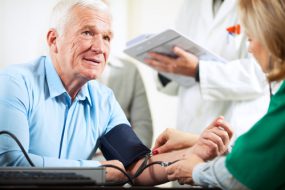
{"x":52,"y":36}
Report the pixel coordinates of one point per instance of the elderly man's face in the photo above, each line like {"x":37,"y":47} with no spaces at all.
{"x":84,"y":46}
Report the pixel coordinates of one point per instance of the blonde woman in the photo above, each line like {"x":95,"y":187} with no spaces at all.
{"x":257,"y":159}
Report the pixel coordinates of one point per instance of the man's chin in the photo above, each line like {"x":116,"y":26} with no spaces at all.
{"x":93,"y":76}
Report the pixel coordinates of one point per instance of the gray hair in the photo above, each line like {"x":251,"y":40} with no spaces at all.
{"x":61,"y":12}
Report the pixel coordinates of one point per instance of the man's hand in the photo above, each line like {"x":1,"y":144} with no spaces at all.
{"x":182,"y":170}
{"x":112,"y":174}
{"x":185,"y":63}
{"x":172,"y":139}
{"x":214,"y":140}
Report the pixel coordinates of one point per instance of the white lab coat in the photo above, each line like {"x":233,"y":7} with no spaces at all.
{"x":237,"y":89}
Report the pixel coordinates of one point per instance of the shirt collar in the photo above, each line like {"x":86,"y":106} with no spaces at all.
{"x":56,"y":87}
{"x":84,"y":94}
{"x":54,"y":83}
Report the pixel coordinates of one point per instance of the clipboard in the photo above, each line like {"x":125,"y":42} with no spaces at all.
{"x":164,"y":42}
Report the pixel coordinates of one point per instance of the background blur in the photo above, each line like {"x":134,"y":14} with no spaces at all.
{"x":24,"y":23}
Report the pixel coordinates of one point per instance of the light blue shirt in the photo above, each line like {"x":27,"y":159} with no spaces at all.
{"x":55,"y":131}
{"x":215,"y":174}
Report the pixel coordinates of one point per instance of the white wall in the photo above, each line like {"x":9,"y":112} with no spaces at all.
{"x":23,"y":30}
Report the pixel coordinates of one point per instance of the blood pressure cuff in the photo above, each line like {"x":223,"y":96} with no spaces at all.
{"x":121,"y":143}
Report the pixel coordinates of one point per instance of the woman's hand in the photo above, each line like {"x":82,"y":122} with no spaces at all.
{"x":172,"y":139}
{"x":182,"y":170}
{"x":214,"y":140}
{"x":185,"y":63}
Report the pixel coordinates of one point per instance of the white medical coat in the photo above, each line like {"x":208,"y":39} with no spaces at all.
{"x":237,"y":89}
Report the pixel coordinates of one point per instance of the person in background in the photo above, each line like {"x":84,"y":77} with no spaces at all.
{"x":257,"y":158}
{"x":61,"y":114}
{"x":125,"y":80}
{"x":235,"y":89}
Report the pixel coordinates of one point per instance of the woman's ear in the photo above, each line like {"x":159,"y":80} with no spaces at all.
{"x":52,"y":36}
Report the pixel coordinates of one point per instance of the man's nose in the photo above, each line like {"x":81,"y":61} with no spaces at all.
{"x":97,"y":44}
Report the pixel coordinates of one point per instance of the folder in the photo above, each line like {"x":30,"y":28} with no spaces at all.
{"x":163,"y":43}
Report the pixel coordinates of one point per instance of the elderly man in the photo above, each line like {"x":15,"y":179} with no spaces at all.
{"x":59,"y":112}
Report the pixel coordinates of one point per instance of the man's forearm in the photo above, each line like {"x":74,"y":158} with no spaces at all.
{"x":155,"y":174}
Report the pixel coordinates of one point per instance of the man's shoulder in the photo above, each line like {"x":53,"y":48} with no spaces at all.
{"x":100,"y":95}
{"x":24,"y":70}
{"x":29,"y":76}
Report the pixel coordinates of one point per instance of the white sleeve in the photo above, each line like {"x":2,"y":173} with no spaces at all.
{"x":234,"y":81}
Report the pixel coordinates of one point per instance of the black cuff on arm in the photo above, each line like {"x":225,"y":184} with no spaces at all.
{"x":121,"y":143}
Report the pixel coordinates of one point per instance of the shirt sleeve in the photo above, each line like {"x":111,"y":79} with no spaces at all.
{"x":14,"y":109}
{"x":17,"y":158}
{"x":215,"y":174}
{"x":234,"y":81}
{"x":116,"y":115}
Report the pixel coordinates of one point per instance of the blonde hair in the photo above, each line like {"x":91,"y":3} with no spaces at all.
{"x":265,"y":20}
{"x":61,"y":12}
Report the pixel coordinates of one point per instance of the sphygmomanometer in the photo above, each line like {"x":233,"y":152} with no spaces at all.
{"x":121,"y":143}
